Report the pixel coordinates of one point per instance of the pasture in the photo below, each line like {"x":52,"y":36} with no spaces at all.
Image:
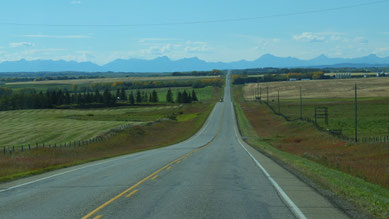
{"x":58,"y":126}
{"x":107,"y":80}
{"x":338,"y":96}
{"x":55,"y":126}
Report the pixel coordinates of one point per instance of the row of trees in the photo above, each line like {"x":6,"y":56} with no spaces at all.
{"x":242,"y":79}
{"x":30,"y":99}
{"x":216,"y":82}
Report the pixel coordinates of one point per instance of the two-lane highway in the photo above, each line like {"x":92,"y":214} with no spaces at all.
{"x":211,"y":175}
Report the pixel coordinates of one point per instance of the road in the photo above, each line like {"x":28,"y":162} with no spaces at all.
{"x":214,"y":174}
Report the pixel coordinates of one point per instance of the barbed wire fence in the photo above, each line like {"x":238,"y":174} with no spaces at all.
{"x":9,"y":150}
{"x":260,"y":93}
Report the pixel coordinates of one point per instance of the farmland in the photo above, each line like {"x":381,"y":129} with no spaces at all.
{"x":338,"y":96}
{"x":68,"y":84}
{"x":58,"y":126}
{"x":153,"y":125}
{"x":55,"y":126}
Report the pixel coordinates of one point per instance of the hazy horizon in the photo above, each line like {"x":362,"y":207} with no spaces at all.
{"x":225,"y":31}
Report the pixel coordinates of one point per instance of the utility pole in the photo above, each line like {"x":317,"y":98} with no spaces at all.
{"x":254,"y":94}
{"x":301,"y":105}
{"x":256,"y":89}
{"x":279,"y":108}
{"x":356,"y":114}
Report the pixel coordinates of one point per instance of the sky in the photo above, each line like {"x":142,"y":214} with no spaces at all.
{"x":101,"y":31}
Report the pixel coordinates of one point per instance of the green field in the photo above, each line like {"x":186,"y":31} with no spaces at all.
{"x":58,"y":126}
{"x":373,"y":114}
{"x":55,"y":126}
{"x":68,"y":84}
{"x":338,"y":96}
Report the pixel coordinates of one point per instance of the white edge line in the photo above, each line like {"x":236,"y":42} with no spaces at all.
{"x":292,"y":206}
{"x":58,"y":174}
{"x":95,"y":164}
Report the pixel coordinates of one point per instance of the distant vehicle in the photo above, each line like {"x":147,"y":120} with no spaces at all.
{"x":221,"y":99}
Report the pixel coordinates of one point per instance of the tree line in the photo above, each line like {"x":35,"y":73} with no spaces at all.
{"x":243,"y":79}
{"x":133,"y":85}
{"x":30,"y":99}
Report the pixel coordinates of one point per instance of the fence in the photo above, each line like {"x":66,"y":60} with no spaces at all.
{"x":299,"y":108}
{"x":72,"y":144}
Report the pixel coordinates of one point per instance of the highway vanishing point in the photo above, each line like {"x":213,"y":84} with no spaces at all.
{"x":214,"y":174}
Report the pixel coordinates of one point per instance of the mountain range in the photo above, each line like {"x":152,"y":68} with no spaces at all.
{"x":164,"y":64}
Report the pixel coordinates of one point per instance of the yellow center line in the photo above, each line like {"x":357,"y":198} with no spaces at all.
{"x":98,"y":216}
{"x":154,"y":177}
{"x":169,"y":168}
{"x":136,"y":185}
{"x":150,"y":176}
{"x":131,"y":193}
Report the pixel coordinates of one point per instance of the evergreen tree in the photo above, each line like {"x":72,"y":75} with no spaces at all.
{"x":98,"y":98}
{"x":179,"y":97}
{"x":154,"y":96}
{"x":185,"y":97}
{"x":59,"y":97}
{"x":123,"y":95}
{"x":169,"y":96}
{"x":131,"y":98}
{"x":107,"y":98}
{"x":117,"y":96}
{"x":194,"y":96}
{"x":67,"y":97}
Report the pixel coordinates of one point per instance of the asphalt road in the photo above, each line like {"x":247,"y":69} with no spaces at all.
{"x":211,"y":175}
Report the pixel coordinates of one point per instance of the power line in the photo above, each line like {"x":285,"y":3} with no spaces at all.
{"x":200,"y":22}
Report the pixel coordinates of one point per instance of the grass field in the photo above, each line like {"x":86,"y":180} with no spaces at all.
{"x":103,"y":80}
{"x":57,"y":126}
{"x":68,"y":84}
{"x":355,"y":172}
{"x":133,"y":139}
{"x":52,"y":126}
{"x":338,"y":96}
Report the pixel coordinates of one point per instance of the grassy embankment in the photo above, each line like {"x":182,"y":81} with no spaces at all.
{"x":357,"y":173}
{"x":338,"y":96}
{"x":165,"y":132}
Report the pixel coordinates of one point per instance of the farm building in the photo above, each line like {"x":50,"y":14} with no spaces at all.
{"x":342,"y":75}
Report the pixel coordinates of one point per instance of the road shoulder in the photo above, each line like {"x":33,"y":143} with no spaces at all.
{"x":312,"y":204}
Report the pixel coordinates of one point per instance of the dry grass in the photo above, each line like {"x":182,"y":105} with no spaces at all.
{"x":367,"y":161}
{"x":109,"y":80}
{"x":334,"y":88}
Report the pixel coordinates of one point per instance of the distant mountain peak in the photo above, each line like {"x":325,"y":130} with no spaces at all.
{"x":165,"y":64}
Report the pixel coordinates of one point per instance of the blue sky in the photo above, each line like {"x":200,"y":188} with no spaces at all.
{"x":47,"y":29}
